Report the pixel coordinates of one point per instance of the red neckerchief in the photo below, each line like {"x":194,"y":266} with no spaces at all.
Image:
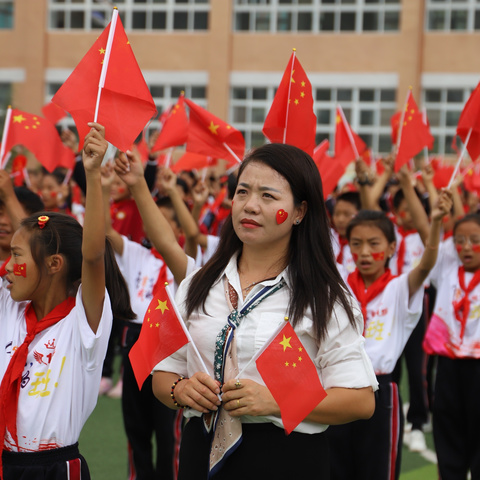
{"x":447,"y":234}
{"x":10,"y":386}
{"x":162,"y":274}
{"x":342,"y":242}
{"x":366,"y":295}
{"x":462,"y":307}
{"x":3,"y":267}
{"x":402,"y":247}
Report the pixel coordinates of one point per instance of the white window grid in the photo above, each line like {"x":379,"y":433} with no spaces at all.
{"x":316,"y":16}
{"x":444,"y":106}
{"x":149,"y":15}
{"x":368,"y":110}
{"x":452,"y":15}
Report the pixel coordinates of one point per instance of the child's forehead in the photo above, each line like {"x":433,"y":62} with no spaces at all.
{"x":367,"y":230}
{"x":343,"y":204}
{"x":468,"y":227}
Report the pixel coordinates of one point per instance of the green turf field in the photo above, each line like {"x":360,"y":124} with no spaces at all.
{"x":103,"y":444}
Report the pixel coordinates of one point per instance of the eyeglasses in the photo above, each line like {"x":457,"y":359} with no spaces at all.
{"x":463,"y":240}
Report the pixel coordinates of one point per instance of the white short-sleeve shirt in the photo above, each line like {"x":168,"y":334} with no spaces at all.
{"x":341,"y":359}
{"x":60,"y":382}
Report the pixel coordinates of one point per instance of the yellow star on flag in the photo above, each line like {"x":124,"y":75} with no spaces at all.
{"x":18,"y":118}
{"x":286,"y":342}
{"x":102,"y":51}
{"x":162,"y":306}
{"x":302,"y":84}
{"x":302,"y":94}
{"x":292,"y":79}
{"x":296,"y":101}
{"x":213,"y":128}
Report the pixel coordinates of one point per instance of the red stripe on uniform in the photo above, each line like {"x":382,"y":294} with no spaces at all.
{"x":74,"y":469}
{"x":394,"y":429}
{"x":132,"y":472}
{"x":177,"y":436}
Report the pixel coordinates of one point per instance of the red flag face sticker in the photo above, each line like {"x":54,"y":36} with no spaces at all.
{"x":378,"y":256}
{"x":281,"y":216}
{"x":20,"y":269}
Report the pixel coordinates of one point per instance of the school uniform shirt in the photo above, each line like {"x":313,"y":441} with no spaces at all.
{"x":141,"y":270}
{"x":443,"y":335}
{"x":414,"y":249}
{"x":391,"y":318}
{"x":60,"y":382}
{"x":342,"y":253}
{"x":341,"y":359}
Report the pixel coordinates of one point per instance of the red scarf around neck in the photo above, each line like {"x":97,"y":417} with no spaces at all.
{"x":342,"y":241}
{"x":366,"y":295}
{"x":462,"y":307}
{"x":10,"y":386}
{"x":402,"y":248}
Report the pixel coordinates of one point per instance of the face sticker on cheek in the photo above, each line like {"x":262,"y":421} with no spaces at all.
{"x":378,"y":256}
{"x":459,"y":248}
{"x":402,"y":214}
{"x":281,"y":216}
{"x":53,"y":194}
{"x":121,"y":190}
{"x":20,"y":269}
{"x":476,"y":248}
{"x":355,"y":257}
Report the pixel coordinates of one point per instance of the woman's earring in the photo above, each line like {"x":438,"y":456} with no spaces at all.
{"x":297,"y":222}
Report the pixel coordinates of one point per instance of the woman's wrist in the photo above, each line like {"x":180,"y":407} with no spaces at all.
{"x":172,"y":392}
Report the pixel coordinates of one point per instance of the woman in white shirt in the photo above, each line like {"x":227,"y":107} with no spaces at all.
{"x":275,"y":244}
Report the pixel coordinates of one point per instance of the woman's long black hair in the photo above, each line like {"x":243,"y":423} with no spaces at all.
{"x":315,"y":280}
{"x":62,"y":235}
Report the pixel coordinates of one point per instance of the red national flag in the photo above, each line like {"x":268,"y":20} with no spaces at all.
{"x":19,"y":165}
{"x":213,"y":137}
{"x":412,"y":135}
{"x":291,"y":377}
{"x":53,"y":112}
{"x":327,"y":167}
{"x":36,"y":134}
{"x":348,"y":145}
{"x":126,"y":104}
{"x":162,"y":334}
{"x":470,"y":119}
{"x":192,"y":161}
{"x":291,"y":118}
{"x":174,"y":131}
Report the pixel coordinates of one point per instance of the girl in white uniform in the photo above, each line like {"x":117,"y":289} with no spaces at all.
{"x":453,"y":335}
{"x":55,"y":332}
{"x":391,"y":308}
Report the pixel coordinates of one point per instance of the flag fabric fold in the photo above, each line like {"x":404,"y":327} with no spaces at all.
{"x":291,"y":377}
{"x":37,"y":134}
{"x":210,"y":136}
{"x":348,"y":145}
{"x":470,"y":120}
{"x":162,"y":334}
{"x":174,"y":131}
{"x":125,"y":105}
{"x":53,"y":112}
{"x":291,"y":118}
{"x":410,"y":132}
{"x":193,"y":161}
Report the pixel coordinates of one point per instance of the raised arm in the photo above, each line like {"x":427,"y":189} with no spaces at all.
{"x":7,"y":195}
{"x":129,"y":168}
{"x":417,"y":276}
{"x":93,"y":244}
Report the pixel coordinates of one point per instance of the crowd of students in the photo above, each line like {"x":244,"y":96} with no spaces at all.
{"x":407,"y":252}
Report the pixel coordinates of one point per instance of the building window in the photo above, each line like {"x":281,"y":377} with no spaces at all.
{"x":368,"y":111}
{"x":5,"y":99}
{"x":145,"y":15}
{"x":453,"y":15}
{"x":444,"y":106}
{"x":6,"y":14}
{"x":316,"y":15}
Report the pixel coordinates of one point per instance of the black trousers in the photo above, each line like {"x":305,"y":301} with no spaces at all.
{"x":143,"y":417}
{"x":265,"y":452}
{"x":456,"y":418}
{"x":370,"y":449}
{"x":57,"y":464}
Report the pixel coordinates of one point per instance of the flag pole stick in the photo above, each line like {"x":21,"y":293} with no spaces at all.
{"x":425,"y":149}
{"x":106,"y":59}
{"x":349,"y":132}
{"x":288,"y":97}
{"x":6,"y":127}
{"x":169,"y":157}
{"x":232,"y":153}
{"x":460,"y":158}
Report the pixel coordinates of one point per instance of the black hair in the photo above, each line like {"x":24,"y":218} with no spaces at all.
{"x":182,"y":183}
{"x":166,"y":202}
{"x":350,"y":197}
{"x":62,"y":235}
{"x":314,"y":278}
{"x":471,"y":217}
{"x":29,"y":200}
{"x":373,"y":218}
{"x":231,"y":185}
{"x":399,"y":196}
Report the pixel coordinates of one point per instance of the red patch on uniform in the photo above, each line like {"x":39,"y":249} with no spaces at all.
{"x":281,"y":216}
{"x":20,"y":269}
{"x":378,"y":256}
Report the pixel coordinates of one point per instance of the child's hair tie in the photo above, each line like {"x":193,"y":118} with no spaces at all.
{"x":42,"y":221}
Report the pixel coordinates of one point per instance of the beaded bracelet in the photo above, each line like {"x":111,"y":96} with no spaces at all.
{"x":172,"y":394}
